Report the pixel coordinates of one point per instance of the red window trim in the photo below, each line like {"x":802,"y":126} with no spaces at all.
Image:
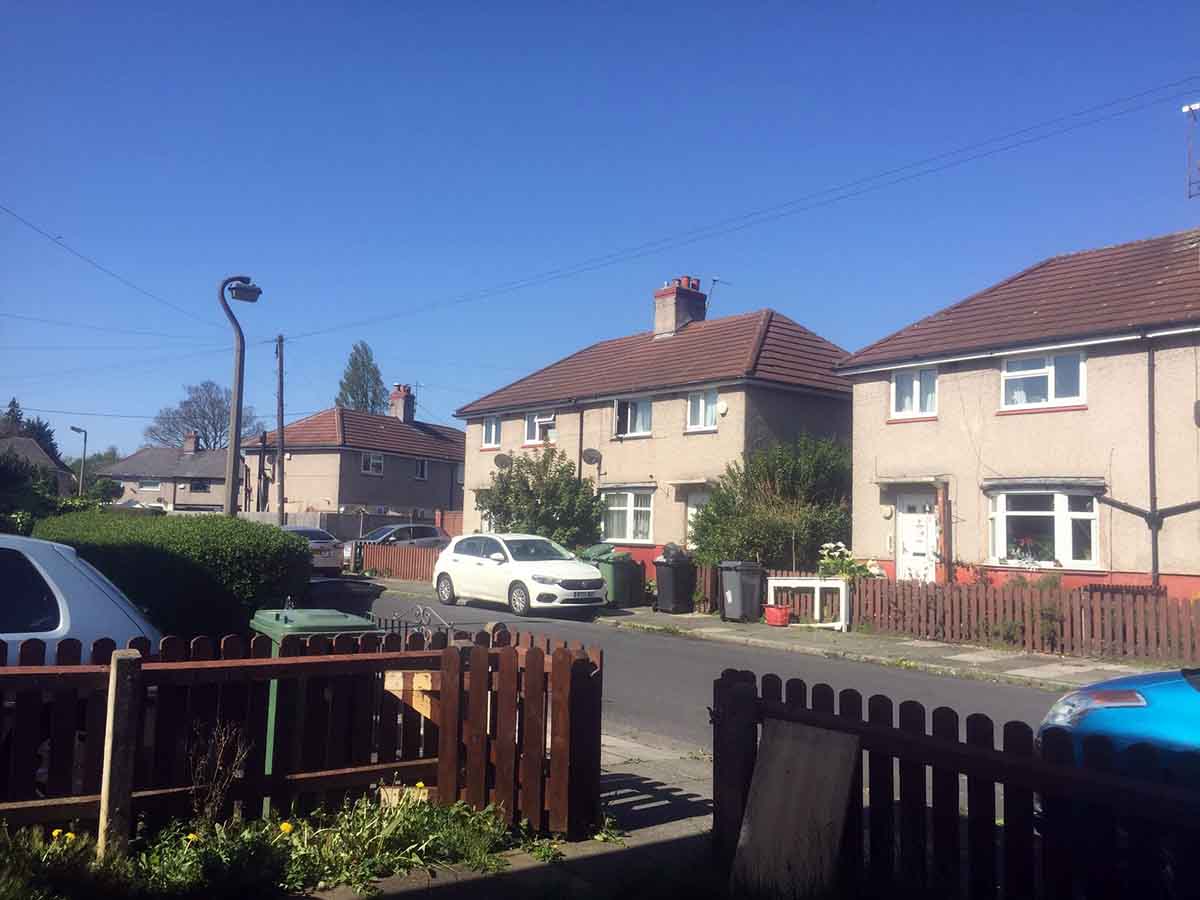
{"x":913,"y":419}
{"x":1040,"y":409}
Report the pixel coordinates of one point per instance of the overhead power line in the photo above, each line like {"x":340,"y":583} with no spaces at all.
{"x":62,"y":323}
{"x":58,"y":241}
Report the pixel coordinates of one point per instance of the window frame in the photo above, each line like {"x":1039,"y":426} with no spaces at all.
{"x":1051,"y":401}
{"x":1062,"y":517}
{"x":538,"y":420}
{"x":916,"y":412}
{"x":705,"y":406}
{"x":421,"y":469}
{"x":54,"y":595}
{"x":494,"y":442}
{"x":631,"y":404}
{"x":143,"y":484}
{"x":630,"y":508}
{"x":366,"y":464}
{"x":199,"y":486}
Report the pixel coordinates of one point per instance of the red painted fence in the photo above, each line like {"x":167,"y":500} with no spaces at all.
{"x":407,"y":563}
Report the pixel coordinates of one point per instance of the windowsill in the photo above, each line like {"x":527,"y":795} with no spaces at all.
{"x":1049,"y":568}
{"x":415,"y":478}
{"x":529,"y":446}
{"x":700,"y":430}
{"x":1026,"y":410}
{"x":630,"y":542}
{"x":489,"y":449}
{"x":632,"y":437}
{"x":904,"y":420}
{"x":371,"y":474}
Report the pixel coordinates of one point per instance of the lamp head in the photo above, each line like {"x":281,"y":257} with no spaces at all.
{"x":246,"y":291}
{"x":78,"y":430}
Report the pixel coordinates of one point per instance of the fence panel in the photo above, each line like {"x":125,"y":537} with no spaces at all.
{"x":406,"y":563}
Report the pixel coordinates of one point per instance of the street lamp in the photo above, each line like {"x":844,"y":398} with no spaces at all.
{"x":82,"y":459}
{"x":240,"y":288}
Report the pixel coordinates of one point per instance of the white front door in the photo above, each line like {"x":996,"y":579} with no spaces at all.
{"x":695,"y":502}
{"x":916,"y":537}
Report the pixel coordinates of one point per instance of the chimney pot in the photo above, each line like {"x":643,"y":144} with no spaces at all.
{"x":402,"y":402}
{"x":678,"y":302}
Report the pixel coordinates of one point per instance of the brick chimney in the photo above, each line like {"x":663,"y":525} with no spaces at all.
{"x":189,"y":442}
{"x":402,"y":402}
{"x":676,"y":303}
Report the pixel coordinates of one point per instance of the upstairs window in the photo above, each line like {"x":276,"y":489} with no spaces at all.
{"x":459,"y":473}
{"x":634,"y":418}
{"x":491,"y":431}
{"x":914,"y":393}
{"x":702,"y":410}
{"x":1055,"y":379}
{"x":149,"y":484}
{"x":539,"y":428}
{"x":421,"y":470}
{"x":372,"y":463}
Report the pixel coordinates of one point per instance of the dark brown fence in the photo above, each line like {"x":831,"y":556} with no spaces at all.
{"x":516,"y":724}
{"x":1138,"y":623}
{"x":942,"y":813}
{"x":408,"y":563}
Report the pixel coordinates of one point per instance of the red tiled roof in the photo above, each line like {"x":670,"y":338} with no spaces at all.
{"x":338,"y":427}
{"x":1148,"y":283}
{"x":762,"y":345}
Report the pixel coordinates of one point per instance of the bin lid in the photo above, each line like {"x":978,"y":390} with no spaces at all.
{"x":739,"y":565}
{"x":278,"y":623}
{"x":602,"y":552}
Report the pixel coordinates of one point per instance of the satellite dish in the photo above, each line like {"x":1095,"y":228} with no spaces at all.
{"x":592,"y":457}
{"x":722,"y":407}
{"x":503,"y":460}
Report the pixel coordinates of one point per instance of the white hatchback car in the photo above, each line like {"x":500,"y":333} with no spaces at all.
{"x":523,"y":570}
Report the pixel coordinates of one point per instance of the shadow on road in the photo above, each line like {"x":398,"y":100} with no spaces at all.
{"x":638,"y":802}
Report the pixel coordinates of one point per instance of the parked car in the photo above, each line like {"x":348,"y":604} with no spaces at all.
{"x":1161,"y":709}
{"x":403,"y":535}
{"x":326,"y":549}
{"x":523,"y":570}
{"x":52,"y":593}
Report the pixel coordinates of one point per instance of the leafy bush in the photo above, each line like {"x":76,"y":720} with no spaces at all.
{"x":541,"y":494}
{"x":189,"y":574}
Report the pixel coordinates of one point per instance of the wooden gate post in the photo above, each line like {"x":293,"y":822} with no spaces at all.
{"x":735,"y":745}
{"x":120,"y":752}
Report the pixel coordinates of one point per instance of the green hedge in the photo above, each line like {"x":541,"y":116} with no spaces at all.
{"x":190,"y":574}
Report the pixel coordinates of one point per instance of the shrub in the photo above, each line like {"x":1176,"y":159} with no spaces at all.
{"x":189,"y":574}
{"x":541,"y":494}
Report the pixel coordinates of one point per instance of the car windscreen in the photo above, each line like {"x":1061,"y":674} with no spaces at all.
{"x":535,"y":550}
{"x":313,"y":534}
{"x":29,"y":603}
{"x":378,"y":533}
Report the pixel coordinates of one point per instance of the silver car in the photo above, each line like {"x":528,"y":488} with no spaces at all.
{"x":52,"y":593}
{"x":326,"y":549}
{"x":400,"y":535}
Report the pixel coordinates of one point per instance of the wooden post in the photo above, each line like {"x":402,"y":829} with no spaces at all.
{"x":120,"y":752}
{"x":735,"y":745}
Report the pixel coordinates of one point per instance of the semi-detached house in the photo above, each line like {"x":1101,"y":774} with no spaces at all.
{"x":664,"y":411}
{"x":1030,"y":426}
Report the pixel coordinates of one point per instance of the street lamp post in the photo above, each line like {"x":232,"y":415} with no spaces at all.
{"x":82,"y":459}
{"x":240,"y":288}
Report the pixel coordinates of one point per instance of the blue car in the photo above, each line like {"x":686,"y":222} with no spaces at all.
{"x":1161,"y":709}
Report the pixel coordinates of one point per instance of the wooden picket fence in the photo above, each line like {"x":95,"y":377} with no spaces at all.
{"x":407,"y":563}
{"x":525,"y":736}
{"x":932,"y":814}
{"x":1134,"y":623}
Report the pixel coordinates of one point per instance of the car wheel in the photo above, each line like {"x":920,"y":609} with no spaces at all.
{"x":518,"y":599}
{"x":445,"y":590}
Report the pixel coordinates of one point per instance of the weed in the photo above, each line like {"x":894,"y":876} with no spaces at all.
{"x":544,"y":850}
{"x":610,"y":832}
{"x":699,"y":756}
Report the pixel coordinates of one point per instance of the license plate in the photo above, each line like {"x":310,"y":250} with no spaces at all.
{"x":323,"y":553}
{"x":582,"y":595}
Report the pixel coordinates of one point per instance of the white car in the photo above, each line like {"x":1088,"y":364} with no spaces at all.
{"x":523,"y":570}
{"x":326,"y":549}
{"x":51,"y":593}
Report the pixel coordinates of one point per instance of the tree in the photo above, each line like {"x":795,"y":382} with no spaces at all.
{"x":205,"y":411}
{"x":27,"y":492}
{"x":105,"y":490}
{"x":95,"y":462}
{"x":39,"y":429}
{"x":362,"y":386}
{"x":779,"y":507}
{"x":540,"y":494}
{"x":13,"y":419}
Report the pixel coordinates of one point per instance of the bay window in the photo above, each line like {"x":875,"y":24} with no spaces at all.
{"x":1052,"y":379}
{"x":491,"y":431}
{"x":702,"y":410}
{"x":633,"y":417}
{"x":539,"y":428}
{"x":627,"y":515}
{"x":1043,"y":529}
{"x":914,"y":393}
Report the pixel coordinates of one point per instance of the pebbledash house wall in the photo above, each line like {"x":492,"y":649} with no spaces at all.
{"x":173,"y":493}
{"x":971,"y":439}
{"x":672,"y":460}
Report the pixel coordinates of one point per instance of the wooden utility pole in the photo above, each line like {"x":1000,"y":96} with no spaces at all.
{"x":279,"y":446}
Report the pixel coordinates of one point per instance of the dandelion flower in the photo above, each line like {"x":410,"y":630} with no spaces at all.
{"x":286,"y":827}
{"x":56,"y":833}
{"x":192,"y":837}
{"x":70,"y":836}
{"x":419,"y":785}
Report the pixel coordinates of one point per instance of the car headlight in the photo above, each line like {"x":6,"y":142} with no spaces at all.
{"x":547,"y":579}
{"x":1069,"y":709}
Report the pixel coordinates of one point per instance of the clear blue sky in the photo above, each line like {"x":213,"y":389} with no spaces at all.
{"x":373,"y":159}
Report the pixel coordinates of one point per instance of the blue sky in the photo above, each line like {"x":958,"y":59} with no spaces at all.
{"x":376,"y":160}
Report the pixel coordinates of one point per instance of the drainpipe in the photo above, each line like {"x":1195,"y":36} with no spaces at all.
{"x":579,"y":451}
{"x":1153,"y":519}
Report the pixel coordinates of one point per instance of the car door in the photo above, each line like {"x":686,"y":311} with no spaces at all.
{"x":402,"y":535}
{"x":464,"y":568}
{"x":493,"y":576}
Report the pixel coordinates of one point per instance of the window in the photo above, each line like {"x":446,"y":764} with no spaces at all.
{"x":914,"y":393}
{"x":399,"y":535}
{"x":1050,"y":380}
{"x":198,"y":487}
{"x":536,"y":550}
{"x":627,"y":515}
{"x":702,"y":410}
{"x":1028,"y":528}
{"x":421,"y":470}
{"x":633,"y":418}
{"x":460,"y":473}
{"x":468,"y":547}
{"x":149,"y":484}
{"x":539,"y":428}
{"x":491,"y":431}
{"x":372,"y":463}
{"x":29,"y":606}
{"x":488,"y":546}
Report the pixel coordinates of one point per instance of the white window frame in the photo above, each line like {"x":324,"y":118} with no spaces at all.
{"x":632,"y":402}
{"x":538,"y":421}
{"x":421,"y":469}
{"x":460,"y":473}
{"x":629,"y":508}
{"x":916,"y":412}
{"x":708,"y":401}
{"x":371,"y":464}
{"x":492,"y":422}
{"x":1063,"y":517}
{"x":149,"y":484}
{"x":1047,"y":369}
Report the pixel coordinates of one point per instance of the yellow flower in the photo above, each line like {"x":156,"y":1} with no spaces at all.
{"x":192,"y":837}
{"x":285,"y":827}
{"x":56,"y":833}
{"x":419,"y":785}
{"x":70,"y":836}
